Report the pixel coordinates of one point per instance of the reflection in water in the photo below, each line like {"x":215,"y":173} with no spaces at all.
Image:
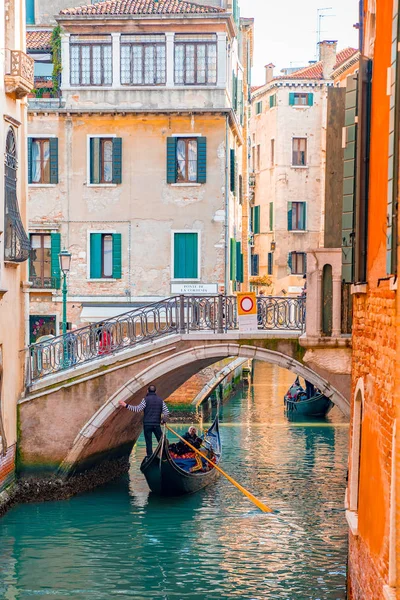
{"x":121,"y":542}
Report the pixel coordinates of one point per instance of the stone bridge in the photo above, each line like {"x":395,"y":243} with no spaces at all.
{"x":71,"y":420}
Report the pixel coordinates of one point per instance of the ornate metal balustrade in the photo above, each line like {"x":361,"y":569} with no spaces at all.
{"x":44,"y":282}
{"x":179,"y":314}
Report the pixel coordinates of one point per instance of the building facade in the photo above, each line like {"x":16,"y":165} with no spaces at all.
{"x":370,"y":263}
{"x":16,"y":80}
{"x":135,"y":164}
{"x":288,"y":150}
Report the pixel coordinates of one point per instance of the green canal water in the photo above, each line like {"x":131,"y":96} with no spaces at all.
{"x":121,"y":542}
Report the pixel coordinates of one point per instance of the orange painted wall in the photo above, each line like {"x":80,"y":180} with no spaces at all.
{"x":379,"y":146}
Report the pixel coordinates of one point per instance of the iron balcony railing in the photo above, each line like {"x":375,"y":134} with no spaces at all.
{"x":179,"y":314}
{"x":44,"y":282}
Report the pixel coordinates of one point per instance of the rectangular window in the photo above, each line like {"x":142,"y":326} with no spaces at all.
{"x":30,"y":12}
{"x":105,"y":256}
{"x":186,"y":256}
{"x":253,"y":158}
{"x":297,"y":263}
{"x":105,"y":160}
{"x":42,"y":160}
{"x":143,"y":59}
{"x":259,"y":107}
{"x":258,"y":157}
{"x":272,"y":153}
{"x":186,"y":158}
{"x":195,"y":59}
{"x":91,"y":60}
{"x":299,"y":152}
{"x":301,"y":99}
{"x":296,"y":216}
{"x":40,"y":261}
{"x":270,"y":263}
{"x":272,"y":101}
{"x":255,"y":265}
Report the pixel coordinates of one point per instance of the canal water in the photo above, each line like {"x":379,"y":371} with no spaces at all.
{"x":120,"y":542}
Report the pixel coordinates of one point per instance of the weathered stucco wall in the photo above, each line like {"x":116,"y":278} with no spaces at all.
{"x":279,"y":182}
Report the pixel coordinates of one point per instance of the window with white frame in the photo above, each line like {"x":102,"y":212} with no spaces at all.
{"x":299,"y":152}
{"x":195,"y":59}
{"x":186,"y":255}
{"x":105,"y":160}
{"x":91,"y":60}
{"x":143,"y":59}
{"x":105,"y":255}
{"x":297,"y":263}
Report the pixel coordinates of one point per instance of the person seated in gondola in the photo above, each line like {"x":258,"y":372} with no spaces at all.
{"x":191,"y":436}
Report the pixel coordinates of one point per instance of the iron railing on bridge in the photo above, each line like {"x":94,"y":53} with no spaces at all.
{"x":179,"y":314}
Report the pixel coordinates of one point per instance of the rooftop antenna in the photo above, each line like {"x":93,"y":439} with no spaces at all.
{"x":320,"y":16}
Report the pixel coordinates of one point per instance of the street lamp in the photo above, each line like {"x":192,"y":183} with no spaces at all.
{"x":65,"y":264}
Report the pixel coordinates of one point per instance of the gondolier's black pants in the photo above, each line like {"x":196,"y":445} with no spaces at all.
{"x":148,"y":430}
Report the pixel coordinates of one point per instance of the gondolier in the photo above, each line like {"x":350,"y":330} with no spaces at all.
{"x":155,"y":411}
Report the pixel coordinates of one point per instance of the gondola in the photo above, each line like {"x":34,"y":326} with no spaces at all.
{"x":167,"y":476}
{"x":306,"y":402}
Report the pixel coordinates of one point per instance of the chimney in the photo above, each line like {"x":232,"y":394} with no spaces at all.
{"x":269,"y":72}
{"x":327,"y":55}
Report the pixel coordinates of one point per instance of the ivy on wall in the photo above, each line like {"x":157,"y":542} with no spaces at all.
{"x":55,"y":43}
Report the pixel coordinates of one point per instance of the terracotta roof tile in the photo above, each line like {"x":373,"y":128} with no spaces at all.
{"x":315,"y":71}
{"x":141,"y":7}
{"x":38,"y":40}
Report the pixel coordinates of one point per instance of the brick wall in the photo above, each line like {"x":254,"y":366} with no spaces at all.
{"x":189,"y":390}
{"x":374,"y":359}
{"x":7,"y":468}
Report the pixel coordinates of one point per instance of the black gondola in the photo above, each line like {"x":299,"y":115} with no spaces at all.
{"x":166,"y":478}
{"x":307,"y":402}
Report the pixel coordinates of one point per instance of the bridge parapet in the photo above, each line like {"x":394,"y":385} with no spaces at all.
{"x":176,"y":315}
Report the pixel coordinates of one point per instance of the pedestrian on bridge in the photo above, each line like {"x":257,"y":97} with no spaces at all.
{"x":155,"y":412}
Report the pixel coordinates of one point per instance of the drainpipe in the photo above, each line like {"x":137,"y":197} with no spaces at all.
{"x":227,"y":205}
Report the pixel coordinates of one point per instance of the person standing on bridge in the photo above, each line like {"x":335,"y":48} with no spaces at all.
{"x":155,"y":412}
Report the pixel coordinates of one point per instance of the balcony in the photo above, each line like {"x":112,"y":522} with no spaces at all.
{"x":44,"y":283}
{"x":18,"y":78}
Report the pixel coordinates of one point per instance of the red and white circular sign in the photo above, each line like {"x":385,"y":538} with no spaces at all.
{"x":246,"y":304}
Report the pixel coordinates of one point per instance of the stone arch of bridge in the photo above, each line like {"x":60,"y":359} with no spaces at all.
{"x":86,"y":445}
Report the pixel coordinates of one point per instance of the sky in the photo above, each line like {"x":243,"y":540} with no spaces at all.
{"x":286,"y":30}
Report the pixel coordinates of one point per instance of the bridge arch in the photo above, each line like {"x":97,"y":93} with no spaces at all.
{"x":88,"y":442}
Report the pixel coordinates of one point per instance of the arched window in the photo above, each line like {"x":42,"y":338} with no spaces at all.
{"x":354,"y":480}
{"x":16,"y":244}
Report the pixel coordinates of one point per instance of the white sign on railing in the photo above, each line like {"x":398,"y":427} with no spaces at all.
{"x":196,"y":289}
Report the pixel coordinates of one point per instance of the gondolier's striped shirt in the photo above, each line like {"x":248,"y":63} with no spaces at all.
{"x":142,"y":406}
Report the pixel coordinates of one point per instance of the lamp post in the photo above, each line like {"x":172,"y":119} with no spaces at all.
{"x":65,"y":264}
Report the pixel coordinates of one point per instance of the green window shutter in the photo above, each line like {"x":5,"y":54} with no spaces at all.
{"x":252,"y":219}
{"x":29,"y":160}
{"x":94,"y":160}
{"x":201,"y":160}
{"x":303,"y":216}
{"x":272,"y":101}
{"x":30,"y":12}
{"x":95,"y":256}
{"x":256,"y":223}
{"x":185,"y":256}
{"x":289,"y":216}
{"x":235,"y":91}
{"x":233,"y":260}
{"x":271,"y":216}
{"x":233,"y":173}
{"x":55,"y":261}
{"x":171,"y":159}
{"x":290,"y":261}
{"x":53,"y":144}
{"x":239,"y":262}
{"x":291,"y":99}
{"x":270,"y":263}
{"x":349,"y":169}
{"x":117,"y":160}
{"x":117,"y":256}
{"x":310,"y":99}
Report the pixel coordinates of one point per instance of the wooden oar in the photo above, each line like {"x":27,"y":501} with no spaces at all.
{"x":250,"y":496}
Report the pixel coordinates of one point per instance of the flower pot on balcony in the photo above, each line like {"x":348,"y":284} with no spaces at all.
{"x":46,"y":95}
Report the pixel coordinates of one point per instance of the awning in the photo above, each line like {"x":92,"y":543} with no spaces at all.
{"x":93,"y":313}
